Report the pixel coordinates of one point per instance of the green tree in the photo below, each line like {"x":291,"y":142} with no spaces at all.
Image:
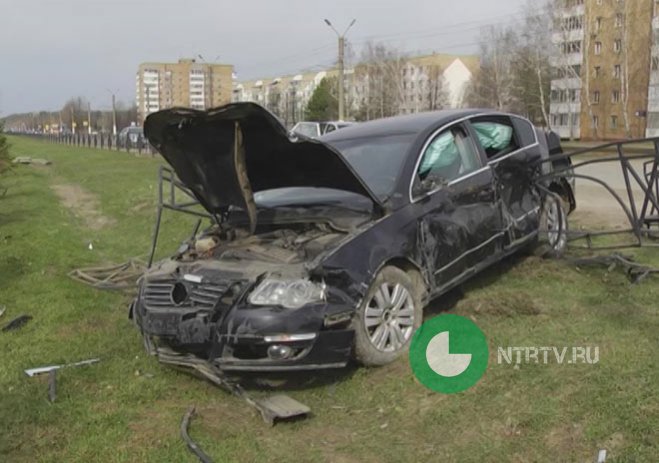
{"x":323,"y":105}
{"x":4,"y":150}
{"x":4,"y":156}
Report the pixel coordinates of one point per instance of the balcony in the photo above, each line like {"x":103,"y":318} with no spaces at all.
{"x":571,"y":59}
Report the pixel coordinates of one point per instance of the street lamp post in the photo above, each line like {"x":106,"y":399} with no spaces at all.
{"x":114,"y":112}
{"x":341,"y":38}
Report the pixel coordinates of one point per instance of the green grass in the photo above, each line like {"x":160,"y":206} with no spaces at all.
{"x":116,"y":412}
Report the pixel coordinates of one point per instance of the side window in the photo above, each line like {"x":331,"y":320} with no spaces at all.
{"x":496,"y":136}
{"x":450,"y":155}
{"x":329,"y":128}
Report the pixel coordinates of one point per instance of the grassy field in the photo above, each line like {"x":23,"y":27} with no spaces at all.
{"x":128,"y":407}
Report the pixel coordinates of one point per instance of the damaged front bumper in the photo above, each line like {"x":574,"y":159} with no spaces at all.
{"x":214,"y":322}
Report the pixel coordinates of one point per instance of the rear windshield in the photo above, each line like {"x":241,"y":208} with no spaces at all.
{"x":377,"y":160}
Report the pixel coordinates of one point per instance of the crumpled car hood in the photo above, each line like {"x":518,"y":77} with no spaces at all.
{"x":226,"y":154}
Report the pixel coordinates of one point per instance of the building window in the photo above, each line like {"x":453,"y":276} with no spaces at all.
{"x":614,"y":122}
{"x":598,"y":24}
{"x":617,"y":71}
{"x":598,"y":69}
{"x":571,"y":47}
{"x":655,"y":63}
{"x":617,"y":46}
{"x":615,"y":96}
{"x":598,"y":48}
{"x":596,"y":97}
{"x":595,"y":122}
{"x":574,"y":95}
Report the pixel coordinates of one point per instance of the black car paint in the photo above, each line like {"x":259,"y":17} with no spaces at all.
{"x":445,"y":236}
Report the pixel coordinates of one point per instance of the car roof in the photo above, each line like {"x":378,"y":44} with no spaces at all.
{"x":406,"y":124}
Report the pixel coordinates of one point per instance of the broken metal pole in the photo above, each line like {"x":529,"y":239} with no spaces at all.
{"x":41,"y":370}
{"x":192,"y":445}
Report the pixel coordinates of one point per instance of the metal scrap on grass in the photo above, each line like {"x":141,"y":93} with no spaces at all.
{"x":635,"y":272}
{"x":17,"y":323}
{"x":112,"y":277}
{"x":192,"y":445}
{"x":41,"y":370}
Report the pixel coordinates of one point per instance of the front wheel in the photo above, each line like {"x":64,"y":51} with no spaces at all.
{"x":553,"y":232}
{"x":387,"y":318}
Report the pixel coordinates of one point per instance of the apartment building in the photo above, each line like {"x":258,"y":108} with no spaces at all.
{"x":425,"y":82}
{"x":285,"y":96}
{"x":602,"y":69}
{"x":436,"y":81}
{"x":187,"y":83}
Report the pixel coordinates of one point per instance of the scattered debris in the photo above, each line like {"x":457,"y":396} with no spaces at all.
{"x":41,"y":370}
{"x":52,"y":385}
{"x":17,"y":323}
{"x":280,"y":407}
{"x":112,"y":277}
{"x":192,"y":445}
{"x":3,"y":309}
{"x":26,"y":160}
{"x":635,"y":272}
{"x":601,"y":456}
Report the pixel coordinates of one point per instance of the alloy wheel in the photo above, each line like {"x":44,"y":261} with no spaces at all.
{"x":389,"y":317}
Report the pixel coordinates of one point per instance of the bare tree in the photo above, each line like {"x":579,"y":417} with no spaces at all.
{"x":493,"y":85}
{"x":532,"y":63}
{"x":567,"y":68}
{"x":436,"y":92}
{"x":380,"y":76}
{"x":624,"y":10}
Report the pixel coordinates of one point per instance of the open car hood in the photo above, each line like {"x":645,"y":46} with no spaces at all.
{"x":226,"y":154}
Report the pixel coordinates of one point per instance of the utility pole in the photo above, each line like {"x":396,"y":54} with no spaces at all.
{"x":114,"y":111}
{"x":114,"y":115}
{"x":342,"y":42}
{"x":89,"y":118}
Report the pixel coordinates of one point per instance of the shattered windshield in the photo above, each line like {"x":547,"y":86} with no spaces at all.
{"x":377,"y":160}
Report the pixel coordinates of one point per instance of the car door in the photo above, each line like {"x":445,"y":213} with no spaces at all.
{"x":510,"y":146}
{"x":459,"y":221}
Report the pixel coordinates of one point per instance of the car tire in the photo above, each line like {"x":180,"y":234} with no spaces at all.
{"x":553,"y":231}
{"x":387,"y":318}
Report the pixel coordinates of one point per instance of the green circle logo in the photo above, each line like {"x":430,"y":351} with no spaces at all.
{"x":449,"y":354}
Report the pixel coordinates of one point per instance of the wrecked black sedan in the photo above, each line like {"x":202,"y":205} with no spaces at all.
{"x":320,"y":251}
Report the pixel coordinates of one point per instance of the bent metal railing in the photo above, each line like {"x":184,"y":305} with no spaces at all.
{"x":639,"y":199}
{"x":168,"y":188}
{"x":642,"y":213}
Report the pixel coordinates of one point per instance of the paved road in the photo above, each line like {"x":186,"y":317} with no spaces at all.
{"x":595,"y":205}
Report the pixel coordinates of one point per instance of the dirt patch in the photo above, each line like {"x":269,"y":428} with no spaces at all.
{"x":567,"y":439}
{"x":83,"y":204}
{"x":505,"y":303}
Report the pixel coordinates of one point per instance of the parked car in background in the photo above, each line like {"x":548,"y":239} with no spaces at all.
{"x":325,"y":250}
{"x":317,"y":129}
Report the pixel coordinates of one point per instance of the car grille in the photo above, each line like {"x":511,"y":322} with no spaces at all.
{"x":158,"y":294}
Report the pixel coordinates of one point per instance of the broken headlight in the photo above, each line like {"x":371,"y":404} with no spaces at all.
{"x":291,"y":294}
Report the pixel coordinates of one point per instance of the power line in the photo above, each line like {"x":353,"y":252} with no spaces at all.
{"x":446,"y":29}
{"x":475,"y":25}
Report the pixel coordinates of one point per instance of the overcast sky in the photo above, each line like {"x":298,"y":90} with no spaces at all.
{"x":51,"y":50}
